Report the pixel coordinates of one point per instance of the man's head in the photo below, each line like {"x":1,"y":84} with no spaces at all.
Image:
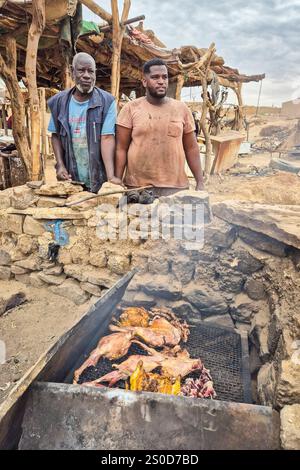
{"x":84,"y":72}
{"x":156,"y":79}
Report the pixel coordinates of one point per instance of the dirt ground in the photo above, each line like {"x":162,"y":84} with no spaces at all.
{"x":30,"y":329}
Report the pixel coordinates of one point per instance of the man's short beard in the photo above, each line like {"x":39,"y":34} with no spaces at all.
{"x":79,"y":88}
{"x":156,"y":95}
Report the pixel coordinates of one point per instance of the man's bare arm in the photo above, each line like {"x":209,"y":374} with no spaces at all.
{"x":61,"y":171}
{"x":108,"y":147}
{"x":193,"y":158}
{"x":123,"y":142}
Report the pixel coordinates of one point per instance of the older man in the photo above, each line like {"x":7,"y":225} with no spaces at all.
{"x":156,"y":136}
{"x":83,"y":128}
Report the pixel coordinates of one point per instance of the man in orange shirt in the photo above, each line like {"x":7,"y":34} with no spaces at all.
{"x":155,"y":137}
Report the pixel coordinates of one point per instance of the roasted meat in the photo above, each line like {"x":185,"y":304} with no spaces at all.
{"x":202,"y":387}
{"x":112,"y":347}
{"x":141,"y":381}
{"x":171,"y":317}
{"x":158,"y":334}
{"x":134,"y":317}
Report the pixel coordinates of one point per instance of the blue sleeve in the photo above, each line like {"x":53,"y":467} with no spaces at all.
{"x":51,"y":127}
{"x":109,"y":125}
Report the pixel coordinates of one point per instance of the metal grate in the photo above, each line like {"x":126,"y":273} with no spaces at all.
{"x":221,"y":350}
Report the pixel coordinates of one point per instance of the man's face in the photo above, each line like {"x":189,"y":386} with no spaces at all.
{"x":157,"y":81}
{"x":84,"y":75}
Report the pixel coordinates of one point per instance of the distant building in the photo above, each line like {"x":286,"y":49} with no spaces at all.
{"x":291,"y":109}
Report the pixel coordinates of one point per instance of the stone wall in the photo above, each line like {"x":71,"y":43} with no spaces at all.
{"x":240,"y":278}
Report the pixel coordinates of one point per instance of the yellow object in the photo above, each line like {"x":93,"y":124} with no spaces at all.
{"x":140,"y":381}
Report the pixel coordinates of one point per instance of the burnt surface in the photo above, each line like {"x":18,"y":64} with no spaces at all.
{"x":220,"y":350}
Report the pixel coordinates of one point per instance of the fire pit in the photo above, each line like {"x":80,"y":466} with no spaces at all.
{"x":222,"y":350}
{"x":54,"y":414}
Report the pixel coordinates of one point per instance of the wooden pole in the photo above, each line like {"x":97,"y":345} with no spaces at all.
{"x":8,"y":71}
{"x":3,"y":110}
{"x":34,"y":34}
{"x":91,"y":5}
{"x":118,"y":34}
{"x":42,"y":97}
{"x":179,"y":86}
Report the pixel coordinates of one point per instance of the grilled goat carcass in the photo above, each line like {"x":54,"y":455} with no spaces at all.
{"x":180,"y":365}
{"x":112,"y":347}
{"x":160,"y":333}
{"x":171,"y":317}
{"x":126,"y":369}
{"x":134,"y":316}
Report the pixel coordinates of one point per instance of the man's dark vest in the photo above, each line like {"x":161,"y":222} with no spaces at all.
{"x":99,"y":105}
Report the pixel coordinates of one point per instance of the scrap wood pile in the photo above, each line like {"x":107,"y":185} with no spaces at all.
{"x":167,"y":368}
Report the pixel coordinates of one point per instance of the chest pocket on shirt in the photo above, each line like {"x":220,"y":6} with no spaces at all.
{"x":175,"y":128}
{"x":96,"y":128}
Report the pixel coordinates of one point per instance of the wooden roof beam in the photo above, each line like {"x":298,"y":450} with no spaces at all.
{"x":91,"y":5}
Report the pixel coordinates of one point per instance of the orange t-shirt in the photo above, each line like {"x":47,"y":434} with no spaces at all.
{"x":156,"y":155}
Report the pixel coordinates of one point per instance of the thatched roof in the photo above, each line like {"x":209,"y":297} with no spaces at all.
{"x":138,"y":47}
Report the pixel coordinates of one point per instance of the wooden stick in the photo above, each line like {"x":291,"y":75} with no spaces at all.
{"x":36,"y":29}
{"x":91,"y":5}
{"x":106,"y":29}
{"x":108,"y":193}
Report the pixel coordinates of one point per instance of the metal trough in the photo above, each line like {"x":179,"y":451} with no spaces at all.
{"x":46,"y":412}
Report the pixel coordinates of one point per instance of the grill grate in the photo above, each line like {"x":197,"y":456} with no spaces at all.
{"x":221,"y":351}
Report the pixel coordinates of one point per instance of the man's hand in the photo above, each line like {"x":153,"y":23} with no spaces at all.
{"x":62,"y":174}
{"x":200,"y":186}
{"x":115,"y":180}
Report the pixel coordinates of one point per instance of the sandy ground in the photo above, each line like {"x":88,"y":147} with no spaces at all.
{"x":31,"y":329}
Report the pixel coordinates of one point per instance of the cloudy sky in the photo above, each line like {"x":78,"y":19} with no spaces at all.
{"x":258,"y":36}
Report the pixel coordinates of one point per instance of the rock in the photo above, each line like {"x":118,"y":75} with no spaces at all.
{"x":290,"y":427}
{"x":71,"y":290}
{"x":140,"y":299}
{"x":183,"y":270}
{"x":53,"y":280}
{"x":184,"y":309}
{"x":98,"y":259}
{"x":34,"y":184}
{"x":33,"y":227}
{"x":91,"y":288}
{"x":27,"y":244}
{"x":32,"y":263}
{"x":18,"y":270}
{"x":278,"y":222}
{"x":263,"y":242}
{"x":5,"y":273}
{"x":10,"y":301}
{"x":5,"y":258}
{"x":54,"y":271}
{"x":195,"y":198}
{"x":11,"y":223}
{"x":220,"y":234}
{"x":254,"y":360}
{"x":23,"y":278}
{"x":295,"y":255}
{"x":203,"y":297}
{"x":61,"y":213}
{"x":243,"y":310}
{"x":288,"y":387}
{"x":80,"y":253}
{"x":255,"y":289}
{"x":35,"y":280}
{"x":165,"y":287}
{"x":221,"y":320}
{"x":60,"y":188}
{"x":96,"y":276}
{"x":229,"y":280}
{"x":5,"y":198}
{"x":43,"y":245}
{"x":158,"y":265}
{"x":266,"y":384}
{"x":118,"y":264}
{"x":64,"y":256}
{"x":47,"y":202}
{"x":259,"y":333}
{"x":23,"y":197}
{"x":113,"y":199}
